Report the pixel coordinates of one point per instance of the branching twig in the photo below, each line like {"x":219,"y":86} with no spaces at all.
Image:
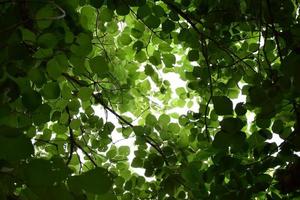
{"x":148,"y":139}
{"x":86,"y":154}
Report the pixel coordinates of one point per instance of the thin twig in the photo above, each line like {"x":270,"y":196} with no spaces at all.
{"x":86,"y":154}
{"x":148,"y":139}
{"x":71,"y":138}
{"x":274,"y":30}
{"x":120,"y":140}
{"x":265,"y":53}
{"x":80,"y":163}
{"x":203,"y":36}
{"x":35,"y":19}
{"x":47,"y":142}
{"x":205,"y":54}
{"x":99,"y":39}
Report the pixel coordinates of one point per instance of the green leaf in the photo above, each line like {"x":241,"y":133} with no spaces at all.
{"x":107,"y":196}
{"x":74,"y":105}
{"x":262,"y":121}
{"x":125,"y":39}
{"x":164,"y":119}
{"x":155,"y":58}
{"x":15,"y":148}
{"x":31,"y":100}
{"x":169,"y":60}
{"x":106,"y":15}
{"x":231,"y":125}
{"x":137,"y":163}
{"x":99,"y":65}
{"x":138,"y":45}
{"x":96,"y":3}
{"x":240,"y":109}
{"x":158,"y":11}
{"x":277,"y":126}
{"x":57,"y":65}
{"x":60,"y":129}
{"x":143,"y":11}
{"x":108,"y":128}
{"x":151,"y":120}
{"x":88,"y":17}
{"x":44,"y":16}
{"x":124,"y":150}
{"x":43,"y":53}
{"x":152,"y":22}
{"x":28,"y":35}
{"x":75,"y":124}
{"x":138,"y":130}
{"x":36,"y":76}
{"x":53,"y":68}
{"x":83,"y":45}
{"x":42,"y":114}
{"x":112,"y":152}
{"x":168,"y":26}
{"x":136,"y":33}
{"x":44,"y":173}
{"x":222,"y":105}
{"x":95,"y":181}
{"x":47,"y":40}
{"x":265,"y":133}
{"x":141,"y":56}
{"x":221,"y":140}
{"x":85,"y":93}
{"x":149,"y":71}
{"x":122,"y":9}
{"x":51,"y":90}
{"x":193,"y":55}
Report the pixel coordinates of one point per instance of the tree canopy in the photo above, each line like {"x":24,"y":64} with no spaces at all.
{"x":63,"y":61}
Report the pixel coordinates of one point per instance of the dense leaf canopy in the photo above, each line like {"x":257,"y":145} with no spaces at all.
{"x":65,"y":61}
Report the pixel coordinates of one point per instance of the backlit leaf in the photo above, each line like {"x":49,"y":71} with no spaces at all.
{"x":222,"y":105}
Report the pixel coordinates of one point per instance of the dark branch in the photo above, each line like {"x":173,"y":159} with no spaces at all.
{"x":148,"y":139}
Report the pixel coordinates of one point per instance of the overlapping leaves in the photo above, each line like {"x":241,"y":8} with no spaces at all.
{"x":61,"y":59}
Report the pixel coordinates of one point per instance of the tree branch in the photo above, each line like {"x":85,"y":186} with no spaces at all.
{"x":148,"y":139}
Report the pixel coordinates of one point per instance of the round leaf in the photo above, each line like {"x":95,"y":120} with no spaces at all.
{"x":51,"y":90}
{"x":31,"y":100}
{"x":99,"y":65}
{"x":222,"y":105}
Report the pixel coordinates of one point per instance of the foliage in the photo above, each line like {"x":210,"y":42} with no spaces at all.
{"x":63,"y":60}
